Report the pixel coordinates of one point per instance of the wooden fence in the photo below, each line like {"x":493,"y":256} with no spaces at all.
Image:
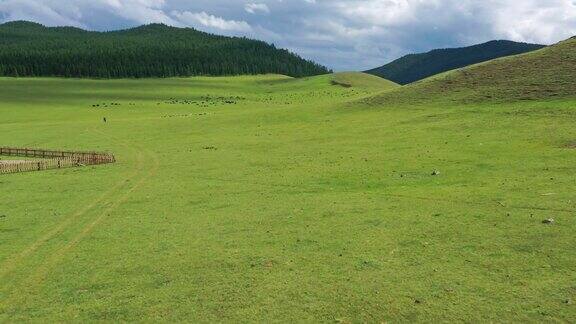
{"x":50,"y":159}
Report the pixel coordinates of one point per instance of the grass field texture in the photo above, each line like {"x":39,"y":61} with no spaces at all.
{"x":258,"y":199}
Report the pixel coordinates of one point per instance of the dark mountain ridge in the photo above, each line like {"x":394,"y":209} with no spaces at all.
{"x":414,"y":67}
{"x":155,"y":50}
{"x":546,"y":74}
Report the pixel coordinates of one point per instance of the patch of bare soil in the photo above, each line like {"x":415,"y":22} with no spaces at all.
{"x":342,"y":84}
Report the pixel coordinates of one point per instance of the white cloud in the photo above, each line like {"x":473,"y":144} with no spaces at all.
{"x":202,"y":19}
{"x":536,"y":21}
{"x":254,"y":8}
{"x":36,"y":11}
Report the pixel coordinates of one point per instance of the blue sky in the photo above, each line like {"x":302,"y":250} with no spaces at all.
{"x":341,"y":34}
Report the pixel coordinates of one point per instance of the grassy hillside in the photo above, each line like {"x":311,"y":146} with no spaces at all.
{"x":356,"y":82}
{"x":362,"y":81}
{"x":29,"y":49}
{"x":546,"y":74}
{"x":260,"y":199}
{"x":414,"y":67}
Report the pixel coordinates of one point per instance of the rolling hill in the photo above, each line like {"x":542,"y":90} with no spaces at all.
{"x":414,"y":67}
{"x":362,"y":80}
{"x":156,"y":50}
{"x":540,"y":75}
{"x":276,"y":199}
{"x":329,"y":198}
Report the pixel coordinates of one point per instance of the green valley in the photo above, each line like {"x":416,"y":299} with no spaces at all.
{"x":336,"y":198}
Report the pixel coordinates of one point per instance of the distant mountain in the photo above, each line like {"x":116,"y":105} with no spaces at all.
{"x":30,"y":49}
{"x":414,"y":67}
{"x":545,"y":74}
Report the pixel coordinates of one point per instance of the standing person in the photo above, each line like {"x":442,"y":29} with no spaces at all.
{"x":104,"y":119}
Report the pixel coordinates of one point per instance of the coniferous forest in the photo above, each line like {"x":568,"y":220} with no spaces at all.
{"x":30,"y":49}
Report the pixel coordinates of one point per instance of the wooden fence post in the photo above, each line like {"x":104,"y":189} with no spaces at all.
{"x":53,"y":159}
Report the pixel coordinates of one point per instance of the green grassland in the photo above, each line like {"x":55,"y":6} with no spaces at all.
{"x":271,"y":199}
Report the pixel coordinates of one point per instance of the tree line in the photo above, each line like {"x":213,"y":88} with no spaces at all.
{"x":29,"y":49}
